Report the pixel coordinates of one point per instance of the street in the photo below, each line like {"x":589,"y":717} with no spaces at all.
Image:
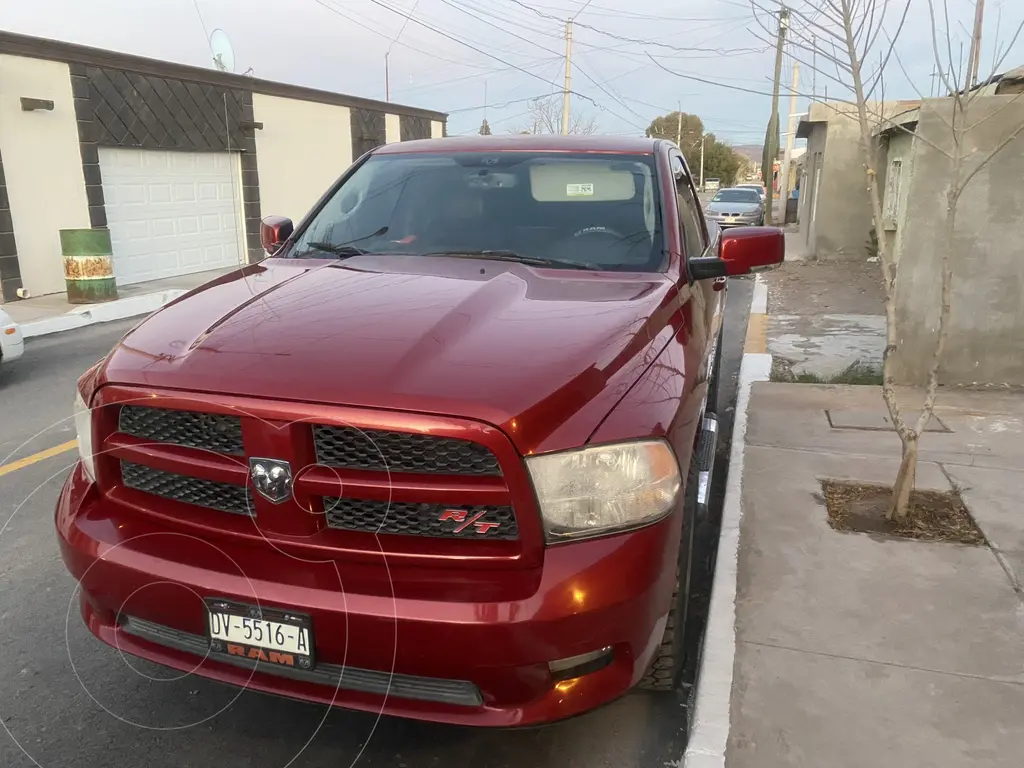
{"x":67,"y":700}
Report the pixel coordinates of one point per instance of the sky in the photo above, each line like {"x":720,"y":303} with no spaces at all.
{"x":633,"y":60}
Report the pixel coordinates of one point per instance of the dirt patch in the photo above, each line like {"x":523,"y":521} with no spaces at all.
{"x":826,"y":287}
{"x":933,"y":516}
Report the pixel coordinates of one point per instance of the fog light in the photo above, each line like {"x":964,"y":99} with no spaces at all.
{"x":584,"y":664}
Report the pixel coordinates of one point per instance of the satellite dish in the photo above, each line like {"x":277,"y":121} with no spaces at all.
{"x":223,"y":55}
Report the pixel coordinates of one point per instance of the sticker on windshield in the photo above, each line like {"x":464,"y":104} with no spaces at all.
{"x":579,"y":190}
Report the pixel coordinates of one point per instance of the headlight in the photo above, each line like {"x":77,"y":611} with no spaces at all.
{"x":83,"y":423}
{"x":604,"y":489}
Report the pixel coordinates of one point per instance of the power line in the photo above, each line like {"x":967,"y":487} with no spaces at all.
{"x":491,"y":73}
{"x":387,"y":37}
{"x":601,"y":10}
{"x":518,"y":22}
{"x":581,"y":10}
{"x":202,"y":23}
{"x":495,"y":26}
{"x":634,"y":40}
{"x":454,"y":39}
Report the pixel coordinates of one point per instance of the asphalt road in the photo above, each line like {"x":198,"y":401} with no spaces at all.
{"x":68,"y":701}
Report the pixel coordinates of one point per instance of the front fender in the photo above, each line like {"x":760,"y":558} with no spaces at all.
{"x":666,"y":401}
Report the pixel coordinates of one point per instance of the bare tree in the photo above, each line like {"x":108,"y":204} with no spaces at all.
{"x":852,"y":43}
{"x":545,"y":116}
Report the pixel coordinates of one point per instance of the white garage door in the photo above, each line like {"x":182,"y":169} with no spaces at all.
{"x":171,"y":213}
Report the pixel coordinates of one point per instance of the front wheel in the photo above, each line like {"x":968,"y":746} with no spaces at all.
{"x":666,"y":668}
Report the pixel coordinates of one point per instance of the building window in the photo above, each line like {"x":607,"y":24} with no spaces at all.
{"x":892,"y":190}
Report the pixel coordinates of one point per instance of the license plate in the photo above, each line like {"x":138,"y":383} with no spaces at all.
{"x":269,"y":635}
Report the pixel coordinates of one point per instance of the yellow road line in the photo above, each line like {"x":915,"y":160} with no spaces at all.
{"x":757,"y":335}
{"x":35,"y":458}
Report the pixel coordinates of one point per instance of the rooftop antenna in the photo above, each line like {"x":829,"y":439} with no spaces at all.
{"x":223,"y":54}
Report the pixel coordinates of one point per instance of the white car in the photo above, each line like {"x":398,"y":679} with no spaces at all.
{"x":760,"y":190}
{"x":12,"y":344}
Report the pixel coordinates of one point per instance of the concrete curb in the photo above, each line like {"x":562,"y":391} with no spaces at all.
{"x":757,"y":327}
{"x":759,"y":303}
{"x":711,"y":721}
{"x":101,"y":313}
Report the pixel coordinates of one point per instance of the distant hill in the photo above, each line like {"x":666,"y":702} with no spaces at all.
{"x":751,"y":151}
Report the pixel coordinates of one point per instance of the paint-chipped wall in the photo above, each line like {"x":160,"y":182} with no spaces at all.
{"x":985,"y":344}
{"x":303,"y":147}
{"x":42,"y":167}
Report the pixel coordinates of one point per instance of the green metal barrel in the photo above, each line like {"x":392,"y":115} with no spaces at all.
{"x":88,"y":265}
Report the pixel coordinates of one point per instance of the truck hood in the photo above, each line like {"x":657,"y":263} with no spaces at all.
{"x":480,"y":339}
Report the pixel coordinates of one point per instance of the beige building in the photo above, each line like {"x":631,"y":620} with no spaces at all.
{"x":179,"y":162}
{"x":985,"y":341}
{"x":834,"y":209}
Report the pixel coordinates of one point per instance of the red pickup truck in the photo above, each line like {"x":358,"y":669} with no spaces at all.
{"x":440,"y":455}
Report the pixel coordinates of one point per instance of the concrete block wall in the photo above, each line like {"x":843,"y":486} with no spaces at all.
{"x":985,"y":345}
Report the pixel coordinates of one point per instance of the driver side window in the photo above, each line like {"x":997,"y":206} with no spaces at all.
{"x":694,"y":236}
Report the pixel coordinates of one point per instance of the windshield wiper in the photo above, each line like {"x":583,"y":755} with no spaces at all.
{"x":500,"y":255}
{"x":343,"y":250}
{"x":337,"y":250}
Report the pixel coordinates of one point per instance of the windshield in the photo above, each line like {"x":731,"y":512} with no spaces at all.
{"x":595,"y":211}
{"x":737,"y":196}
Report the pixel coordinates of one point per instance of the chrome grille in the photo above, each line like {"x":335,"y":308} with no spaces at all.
{"x":208,"y":431}
{"x":224,"y":497}
{"x":419,"y":519}
{"x":350,"y":448}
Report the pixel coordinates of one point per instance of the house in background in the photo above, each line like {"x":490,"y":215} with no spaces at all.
{"x":179,"y":162}
{"x":834,"y":207}
{"x":985,"y":340}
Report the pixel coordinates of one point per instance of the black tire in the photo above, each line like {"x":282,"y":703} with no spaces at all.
{"x":669,"y":660}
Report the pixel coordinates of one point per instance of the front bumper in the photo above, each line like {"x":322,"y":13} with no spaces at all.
{"x":442,"y":644}
{"x":734,"y":221}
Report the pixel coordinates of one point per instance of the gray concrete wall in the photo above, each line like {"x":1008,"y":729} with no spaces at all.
{"x":843,"y":219}
{"x":986,"y":324}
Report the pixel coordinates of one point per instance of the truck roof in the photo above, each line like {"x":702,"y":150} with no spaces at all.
{"x":537,"y":143}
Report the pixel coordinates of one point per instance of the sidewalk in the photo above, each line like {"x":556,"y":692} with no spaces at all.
{"x":829,"y":648}
{"x":53,"y":313}
{"x":856,"y":650}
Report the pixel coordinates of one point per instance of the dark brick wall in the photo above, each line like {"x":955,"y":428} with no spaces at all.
{"x":414,"y":127}
{"x":10,"y":268}
{"x":368,"y":131}
{"x":120,"y":108}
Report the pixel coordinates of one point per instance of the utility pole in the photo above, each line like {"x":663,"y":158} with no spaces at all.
{"x":387,"y":78}
{"x":702,"y":140}
{"x":790,"y":135}
{"x":979,"y":15}
{"x":679,"y":126}
{"x":814,"y":70}
{"x":568,"y":77}
{"x":771,"y":140}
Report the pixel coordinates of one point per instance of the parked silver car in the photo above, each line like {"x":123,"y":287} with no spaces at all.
{"x":736,"y":207}
{"x":759,"y":188}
